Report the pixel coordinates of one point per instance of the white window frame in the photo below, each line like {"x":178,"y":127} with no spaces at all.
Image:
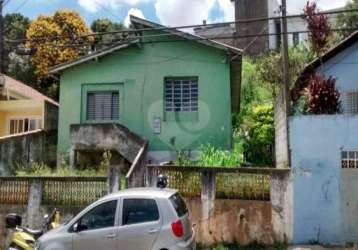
{"x":192,"y":105}
{"x":38,"y":119}
{"x":349,"y":159}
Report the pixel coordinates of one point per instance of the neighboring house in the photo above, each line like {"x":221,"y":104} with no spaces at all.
{"x":171,"y":88}
{"x":28,"y":126}
{"x":256,"y":45}
{"x":24,"y":109}
{"x":324,"y":155}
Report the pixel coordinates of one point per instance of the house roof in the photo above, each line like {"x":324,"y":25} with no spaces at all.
{"x":301,"y":82}
{"x":141,"y":22}
{"x":25,"y":90}
{"x":100,"y":53}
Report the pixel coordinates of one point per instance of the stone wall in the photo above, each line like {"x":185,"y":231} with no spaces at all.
{"x":25,"y":149}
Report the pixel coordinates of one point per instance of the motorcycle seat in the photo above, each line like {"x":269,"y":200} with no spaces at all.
{"x":36,"y":233}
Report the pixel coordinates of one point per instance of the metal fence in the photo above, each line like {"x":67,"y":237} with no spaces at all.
{"x":229,"y":183}
{"x":56,"y":191}
{"x":14,"y":190}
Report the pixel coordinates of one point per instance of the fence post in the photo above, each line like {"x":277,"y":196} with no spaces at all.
{"x":114,"y":178}
{"x":282,"y":205}
{"x":208,"y":190}
{"x":34,"y":204}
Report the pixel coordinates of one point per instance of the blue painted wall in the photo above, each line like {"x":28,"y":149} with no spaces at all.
{"x":316,"y":145}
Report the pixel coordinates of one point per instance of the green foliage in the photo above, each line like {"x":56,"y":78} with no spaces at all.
{"x":16,"y":60}
{"x":106,"y":25}
{"x":62,"y":171}
{"x":259,"y":137}
{"x":269,"y":67}
{"x":210,"y":156}
{"x":348,"y":20}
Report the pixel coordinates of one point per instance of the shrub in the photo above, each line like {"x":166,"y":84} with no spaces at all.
{"x":62,"y":171}
{"x":323,"y":97}
{"x":260,"y":134}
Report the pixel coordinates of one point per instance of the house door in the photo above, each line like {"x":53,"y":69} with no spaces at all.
{"x":349,"y":188}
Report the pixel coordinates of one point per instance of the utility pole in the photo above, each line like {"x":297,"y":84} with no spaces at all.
{"x":1,"y":37}
{"x":286,"y":75}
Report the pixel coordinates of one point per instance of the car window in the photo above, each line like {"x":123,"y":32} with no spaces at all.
{"x":179,"y":204}
{"x":139,"y":211}
{"x":101,"y":216}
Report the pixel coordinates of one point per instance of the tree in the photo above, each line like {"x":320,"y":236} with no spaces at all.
{"x":270,"y":73}
{"x":16,"y":60}
{"x":348,"y":20}
{"x":57,"y":39}
{"x":319,"y":27}
{"x":106,"y":25}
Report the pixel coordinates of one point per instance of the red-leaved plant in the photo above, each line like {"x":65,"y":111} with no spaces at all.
{"x":323,"y":96}
{"x":319,"y":27}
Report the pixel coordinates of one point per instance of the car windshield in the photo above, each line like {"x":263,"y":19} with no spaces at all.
{"x":179,"y":204}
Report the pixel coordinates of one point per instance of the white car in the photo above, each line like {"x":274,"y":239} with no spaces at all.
{"x":133,"y":219}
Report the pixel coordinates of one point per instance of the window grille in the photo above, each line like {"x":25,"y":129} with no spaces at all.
{"x":349,"y":159}
{"x":102,"y":106}
{"x":351,"y":103}
{"x":181,"y":95}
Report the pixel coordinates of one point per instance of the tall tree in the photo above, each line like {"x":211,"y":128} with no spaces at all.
{"x":16,"y":60}
{"x":319,"y":27}
{"x":348,"y":21}
{"x":54,"y":40}
{"x":106,"y":25}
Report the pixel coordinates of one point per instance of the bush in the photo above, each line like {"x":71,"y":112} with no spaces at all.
{"x":210,"y":156}
{"x":62,"y":171}
{"x":259,"y":136}
{"x":323,"y":97}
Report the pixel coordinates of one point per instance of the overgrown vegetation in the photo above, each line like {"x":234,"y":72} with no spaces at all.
{"x":322,"y":95}
{"x":39,"y":169}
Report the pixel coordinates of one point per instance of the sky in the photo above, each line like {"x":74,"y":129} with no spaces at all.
{"x":166,"y":12}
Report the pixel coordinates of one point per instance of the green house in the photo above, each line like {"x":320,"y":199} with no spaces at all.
{"x":175,"y":90}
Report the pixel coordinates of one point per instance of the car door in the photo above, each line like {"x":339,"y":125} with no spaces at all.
{"x":97,"y":229}
{"x":140,"y":224}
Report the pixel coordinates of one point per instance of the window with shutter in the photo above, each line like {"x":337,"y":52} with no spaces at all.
{"x":102,"y":106}
{"x":351,"y":103}
{"x":181,"y":94}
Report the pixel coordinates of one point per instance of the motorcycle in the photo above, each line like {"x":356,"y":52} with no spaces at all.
{"x":24,"y":238}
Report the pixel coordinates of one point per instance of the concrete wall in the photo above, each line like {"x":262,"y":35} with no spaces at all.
{"x":281,"y":151}
{"x":138,"y":74}
{"x":233,"y":221}
{"x":26,"y":149}
{"x":320,"y":193}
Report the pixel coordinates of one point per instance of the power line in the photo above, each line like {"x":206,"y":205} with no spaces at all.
{"x":163,"y":28}
{"x":72,"y":44}
{"x":21,"y":5}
